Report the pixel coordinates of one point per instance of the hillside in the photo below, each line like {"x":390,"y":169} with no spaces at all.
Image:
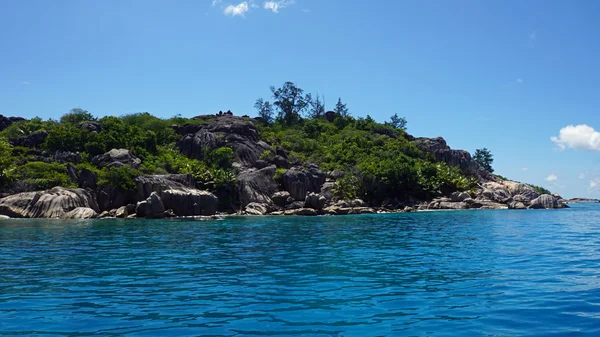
{"x":141,"y":165}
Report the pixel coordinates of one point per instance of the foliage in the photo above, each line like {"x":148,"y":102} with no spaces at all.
{"x":42,"y":176}
{"x":341,"y":109}
{"x":540,"y":189}
{"x":266,"y":155}
{"x":76,"y":116}
{"x":279,"y":175}
{"x":291,"y":102}
{"x":265,"y":110}
{"x":118,"y":177}
{"x":347,"y":187}
{"x":317,"y":107}
{"x":27,"y":127}
{"x":484,"y":158}
{"x":397,"y":122}
{"x":6,"y":160}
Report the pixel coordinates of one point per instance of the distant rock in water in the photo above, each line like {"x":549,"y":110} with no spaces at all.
{"x":116,"y":158}
{"x":56,"y":202}
{"x":576,"y":200}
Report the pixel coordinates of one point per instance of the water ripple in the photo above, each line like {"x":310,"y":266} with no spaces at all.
{"x":486,"y":273}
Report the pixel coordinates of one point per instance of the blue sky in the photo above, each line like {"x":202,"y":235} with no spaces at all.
{"x":506,"y":75}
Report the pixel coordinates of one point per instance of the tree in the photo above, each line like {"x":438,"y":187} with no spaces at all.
{"x":6,"y":159}
{"x":265,"y":110}
{"x":484,"y":158}
{"x":397,"y":122}
{"x":341,"y":109}
{"x":317,"y":107}
{"x":76,"y":116}
{"x":291,"y":102}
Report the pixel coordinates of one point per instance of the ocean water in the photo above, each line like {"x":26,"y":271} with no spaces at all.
{"x":460,"y":273}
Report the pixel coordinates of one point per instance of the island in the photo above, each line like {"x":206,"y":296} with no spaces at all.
{"x":295,"y":158}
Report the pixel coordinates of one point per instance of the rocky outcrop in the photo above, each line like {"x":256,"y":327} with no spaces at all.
{"x":190,"y":202}
{"x":145,"y":185}
{"x":81,"y":213}
{"x":315,"y":201}
{"x":301,"y":211}
{"x":459,"y":196}
{"x":177,"y":193}
{"x":255,"y":208}
{"x":547,"y":201}
{"x":34,"y":140}
{"x":299,"y":182}
{"x":282,"y":198}
{"x":8,"y":121}
{"x":53,"y":203}
{"x":234,"y":132}
{"x":116,"y":158}
{"x":90,"y":126}
{"x":87,"y":179}
{"x":257,"y":185}
{"x":460,"y":158}
{"x":152,"y":207}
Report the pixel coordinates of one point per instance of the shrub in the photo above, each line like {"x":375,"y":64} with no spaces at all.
{"x":41,"y":176}
{"x":118,"y":177}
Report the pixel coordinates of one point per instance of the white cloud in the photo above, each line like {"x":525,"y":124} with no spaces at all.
{"x":593,"y":183}
{"x":215,"y":2}
{"x":25,"y":83}
{"x":519,"y":81}
{"x":275,"y":6}
{"x":525,"y":169}
{"x":580,"y":137}
{"x":552,"y":177}
{"x":581,"y":175}
{"x":239,"y":9}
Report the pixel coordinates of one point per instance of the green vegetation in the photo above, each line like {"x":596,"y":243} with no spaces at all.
{"x":540,"y":189}
{"x":381,"y":161}
{"x":148,"y":137}
{"x":484,"y":158}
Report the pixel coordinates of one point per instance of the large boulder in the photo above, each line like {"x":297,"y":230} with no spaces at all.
{"x":145,"y":185}
{"x":234,"y":132}
{"x":547,"y":201}
{"x":443,"y":153}
{"x":35,"y":139}
{"x":152,"y":207}
{"x":257,"y":185}
{"x":528,"y":192}
{"x":459,"y":196}
{"x":281,"y":198}
{"x":8,"y":121}
{"x":53,"y":203}
{"x":300,"y":182}
{"x":255,"y":208}
{"x":315,"y":201}
{"x":90,"y":126}
{"x":87,"y":179}
{"x":116,"y":158}
{"x":81,"y":213}
{"x":190,"y":202}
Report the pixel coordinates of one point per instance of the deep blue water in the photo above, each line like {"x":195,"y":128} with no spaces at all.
{"x":461,"y":273}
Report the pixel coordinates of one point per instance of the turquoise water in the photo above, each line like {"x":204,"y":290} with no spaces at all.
{"x":463,"y":273}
